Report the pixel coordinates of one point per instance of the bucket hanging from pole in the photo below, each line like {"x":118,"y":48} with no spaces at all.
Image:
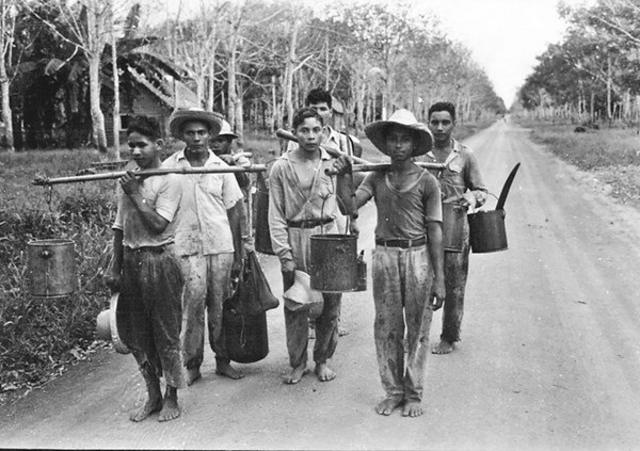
{"x":333,"y":263}
{"x":51,"y":268}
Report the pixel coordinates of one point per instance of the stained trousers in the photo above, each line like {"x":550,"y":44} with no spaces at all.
{"x":456,"y":268}
{"x":297,"y":321}
{"x":207,"y":285}
{"x":402,"y":280}
{"x":150,"y":302}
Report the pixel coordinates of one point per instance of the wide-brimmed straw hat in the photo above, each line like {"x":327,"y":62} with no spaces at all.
{"x":225,"y":130}
{"x":107,"y":326}
{"x":300,"y":293}
{"x":377,"y":131}
{"x":179,"y":117}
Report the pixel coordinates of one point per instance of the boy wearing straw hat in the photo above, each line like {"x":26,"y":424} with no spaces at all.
{"x":408,"y":277}
{"x":302,"y":203}
{"x":208,"y":239}
{"x":146,"y":272}
{"x":461,"y":183}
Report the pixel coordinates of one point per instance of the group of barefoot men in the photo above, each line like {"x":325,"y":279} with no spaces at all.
{"x":178,"y":241}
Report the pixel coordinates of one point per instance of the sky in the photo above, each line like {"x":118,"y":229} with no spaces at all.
{"x":504,"y":36}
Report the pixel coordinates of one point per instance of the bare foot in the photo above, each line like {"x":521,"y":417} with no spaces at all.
{"x":149,"y":407}
{"x":387,"y":405}
{"x":296,"y":375}
{"x":225,"y":369}
{"x":170,"y":408}
{"x":444,"y":347}
{"x":412,"y":409}
{"x":324,"y":373}
{"x":193,"y":374}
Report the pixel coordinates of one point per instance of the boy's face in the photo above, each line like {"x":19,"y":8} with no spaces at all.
{"x":309,"y":134}
{"x":400,"y":143}
{"x":441,"y":125}
{"x":196,"y":135}
{"x":144,"y":150}
{"x":221,"y":145}
{"x":323,"y":109}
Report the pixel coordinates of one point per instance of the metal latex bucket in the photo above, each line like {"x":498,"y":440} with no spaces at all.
{"x":487,"y":232}
{"x":333,"y":265}
{"x":453,"y":217}
{"x":51,"y":268}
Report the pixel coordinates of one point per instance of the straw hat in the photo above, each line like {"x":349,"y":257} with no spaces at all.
{"x":225,"y":130}
{"x":377,"y":131}
{"x":300,"y":293}
{"x":107,"y":327}
{"x":179,"y":117}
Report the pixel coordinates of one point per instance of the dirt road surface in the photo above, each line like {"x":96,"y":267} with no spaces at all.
{"x":549,"y":359}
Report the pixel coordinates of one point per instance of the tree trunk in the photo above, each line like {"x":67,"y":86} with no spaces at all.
{"x":6,"y":41}
{"x":274,"y":106}
{"x":97,"y":118}
{"x":211,"y":85}
{"x":609,"y":82}
{"x":288,"y":73}
{"x":116,"y":97}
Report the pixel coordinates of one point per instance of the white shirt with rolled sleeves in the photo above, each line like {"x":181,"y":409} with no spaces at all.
{"x":202,"y":227}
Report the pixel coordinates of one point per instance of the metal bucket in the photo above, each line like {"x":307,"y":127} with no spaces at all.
{"x":487,"y":232}
{"x":52,"y":268}
{"x":453,"y":217}
{"x":333,"y":265}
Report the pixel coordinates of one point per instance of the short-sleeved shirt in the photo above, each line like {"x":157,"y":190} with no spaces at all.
{"x":403,"y":214}
{"x":288,"y":202}
{"x":163,"y":194}
{"x":461,"y":172}
{"x":203,"y":225}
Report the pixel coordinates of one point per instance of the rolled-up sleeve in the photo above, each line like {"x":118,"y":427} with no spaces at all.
{"x":473,"y":179}
{"x":277,"y":215}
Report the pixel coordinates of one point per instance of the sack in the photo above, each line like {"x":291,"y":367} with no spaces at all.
{"x":253,"y":294}
{"x":245,"y":336}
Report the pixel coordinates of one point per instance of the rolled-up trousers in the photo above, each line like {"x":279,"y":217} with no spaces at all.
{"x":151,"y":311}
{"x":207,"y":285}
{"x":402,"y":280}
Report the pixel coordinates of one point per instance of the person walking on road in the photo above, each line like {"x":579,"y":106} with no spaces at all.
{"x":302,"y":203}
{"x":461,"y":183}
{"x":407,"y":259}
{"x":146,"y":272}
{"x":208,"y":239}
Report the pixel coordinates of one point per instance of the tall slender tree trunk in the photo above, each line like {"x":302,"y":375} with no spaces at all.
{"x":211,"y":84}
{"x":288,"y":73}
{"x":116,"y":96}
{"x":97,"y":117}
{"x":6,"y":42}
{"x":609,"y":82}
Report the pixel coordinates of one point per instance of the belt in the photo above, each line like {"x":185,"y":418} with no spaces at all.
{"x":154,"y":249}
{"x":402,"y":243}
{"x":309,"y":223}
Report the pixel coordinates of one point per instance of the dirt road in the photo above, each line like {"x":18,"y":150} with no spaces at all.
{"x":550,"y":357}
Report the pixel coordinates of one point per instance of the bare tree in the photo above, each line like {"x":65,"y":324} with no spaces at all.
{"x":7,"y":26}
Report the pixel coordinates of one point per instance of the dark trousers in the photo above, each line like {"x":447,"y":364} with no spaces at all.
{"x":151,"y":306}
{"x":456,"y":268}
{"x":326,"y":325}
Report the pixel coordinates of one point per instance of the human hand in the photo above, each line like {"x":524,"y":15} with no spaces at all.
{"x":353,"y":228}
{"x":228,"y":158}
{"x":112,"y":280}
{"x":342,"y":165}
{"x":468,"y":200}
{"x":481,"y":197}
{"x":437,"y":294}
{"x":288,"y":278}
{"x":129,"y":183}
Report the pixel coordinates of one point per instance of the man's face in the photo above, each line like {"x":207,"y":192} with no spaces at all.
{"x":309,"y":134}
{"x":221,"y":145}
{"x":441,"y":125}
{"x":400,"y":143}
{"x":323,"y":109}
{"x":196,"y":135}
{"x":144,"y":151}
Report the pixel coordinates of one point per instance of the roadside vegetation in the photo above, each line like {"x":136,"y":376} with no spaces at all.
{"x":612,"y":155}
